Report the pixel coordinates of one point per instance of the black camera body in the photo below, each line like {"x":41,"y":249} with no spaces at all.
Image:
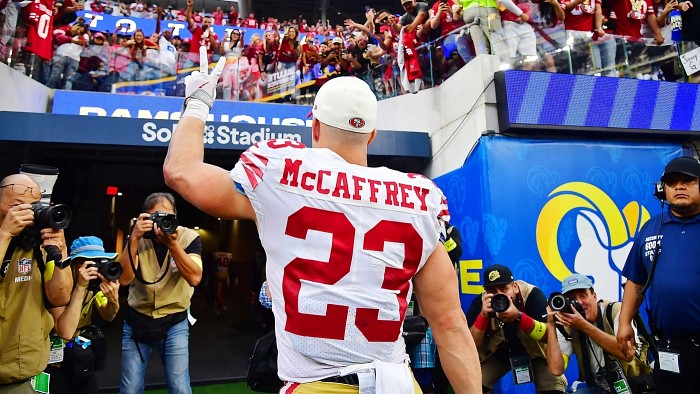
{"x":499,"y":303}
{"x":56,"y":216}
{"x":167,"y":223}
{"x":109,"y":269}
{"x":559,"y":302}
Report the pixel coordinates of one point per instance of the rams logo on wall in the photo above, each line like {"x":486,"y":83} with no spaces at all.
{"x":549,"y":208}
{"x":604,"y":231}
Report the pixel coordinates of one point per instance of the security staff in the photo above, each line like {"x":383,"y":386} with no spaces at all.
{"x":669,"y":242}
{"x":591,"y":336}
{"x":70,"y":320}
{"x":167,"y":266}
{"x":512,"y":339}
{"x":25,"y":323}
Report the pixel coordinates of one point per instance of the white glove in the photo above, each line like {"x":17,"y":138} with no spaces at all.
{"x":200,"y":87}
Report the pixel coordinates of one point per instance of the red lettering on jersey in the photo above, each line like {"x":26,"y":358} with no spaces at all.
{"x":422,"y":193}
{"x":332,"y":324}
{"x":374,"y":189}
{"x":319,"y":184}
{"x":291,"y":169}
{"x":356,"y":181}
{"x":404,"y":195}
{"x":305,"y":177}
{"x":392,"y":191}
{"x":341,"y":184}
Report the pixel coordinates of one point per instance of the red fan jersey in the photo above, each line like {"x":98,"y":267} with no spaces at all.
{"x":39,"y":17}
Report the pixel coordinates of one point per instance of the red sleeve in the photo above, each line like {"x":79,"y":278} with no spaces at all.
{"x":194,"y":29}
{"x":650,"y":8}
{"x":62,"y":38}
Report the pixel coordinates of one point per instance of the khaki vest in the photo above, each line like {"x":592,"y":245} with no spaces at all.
{"x":638,"y":366}
{"x":170,"y":295}
{"x":25,"y":323}
{"x":495,"y":336}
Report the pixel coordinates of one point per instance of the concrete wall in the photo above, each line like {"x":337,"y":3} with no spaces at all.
{"x":21,"y":93}
{"x":454,"y":114}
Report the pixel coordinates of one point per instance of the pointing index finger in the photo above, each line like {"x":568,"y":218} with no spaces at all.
{"x":203,"y":60}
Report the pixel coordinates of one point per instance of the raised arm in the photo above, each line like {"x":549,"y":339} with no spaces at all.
{"x":184,"y":169}
{"x":190,"y":21}
{"x":437,"y":291}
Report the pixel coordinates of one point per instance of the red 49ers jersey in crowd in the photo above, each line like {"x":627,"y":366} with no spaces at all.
{"x":39,"y":17}
{"x":343,"y":242}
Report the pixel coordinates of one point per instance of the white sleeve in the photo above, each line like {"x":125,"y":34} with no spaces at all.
{"x":565,"y":345}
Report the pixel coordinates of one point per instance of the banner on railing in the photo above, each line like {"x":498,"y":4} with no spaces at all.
{"x":108,"y":23}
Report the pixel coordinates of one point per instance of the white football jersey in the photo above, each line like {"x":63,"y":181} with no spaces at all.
{"x":343,"y":242}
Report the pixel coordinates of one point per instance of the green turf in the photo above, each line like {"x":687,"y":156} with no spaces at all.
{"x":228,"y":388}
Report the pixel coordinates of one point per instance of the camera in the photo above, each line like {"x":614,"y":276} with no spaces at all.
{"x":55,"y":216}
{"x":109,"y":269}
{"x":559,"y":302}
{"x":500,"y":303}
{"x":167,"y":222}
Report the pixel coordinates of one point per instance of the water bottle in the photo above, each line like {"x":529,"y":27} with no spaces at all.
{"x":676,"y":25}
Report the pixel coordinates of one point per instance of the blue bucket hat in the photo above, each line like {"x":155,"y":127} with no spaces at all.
{"x":89,"y":248}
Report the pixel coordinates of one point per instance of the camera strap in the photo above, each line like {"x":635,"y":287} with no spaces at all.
{"x":137,"y":275}
{"x":7,"y":258}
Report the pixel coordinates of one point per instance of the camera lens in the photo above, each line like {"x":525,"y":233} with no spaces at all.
{"x":500,"y":303}
{"x":59,"y":216}
{"x":166,"y":225}
{"x":557,"y":302}
{"x":112,"y":271}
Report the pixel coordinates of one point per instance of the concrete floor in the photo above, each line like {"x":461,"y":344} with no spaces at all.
{"x":219,"y":344}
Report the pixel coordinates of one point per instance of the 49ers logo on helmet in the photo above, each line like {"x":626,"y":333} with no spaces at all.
{"x":357,"y":123}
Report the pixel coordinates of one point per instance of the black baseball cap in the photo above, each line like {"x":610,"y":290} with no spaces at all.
{"x":683,"y":165}
{"x":497,"y":275}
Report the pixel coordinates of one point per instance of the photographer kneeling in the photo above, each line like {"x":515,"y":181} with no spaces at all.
{"x":589,"y":332}
{"x":29,"y":277}
{"x":508,"y":325}
{"x":76,"y":360}
{"x":166,"y":261}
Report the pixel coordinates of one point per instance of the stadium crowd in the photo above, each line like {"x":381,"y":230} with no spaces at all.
{"x":393,"y":52}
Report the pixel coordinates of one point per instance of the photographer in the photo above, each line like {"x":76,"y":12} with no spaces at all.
{"x":590,"y":335}
{"x":91,"y":290}
{"x":26,"y":283}
{"x":167,"y":264}
{"x":509,"y":331}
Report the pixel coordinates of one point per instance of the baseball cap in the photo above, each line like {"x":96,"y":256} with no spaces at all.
{"x":346,"y":103}
{"x":684,"y":165}
{"x":99,"y":35}
{"x":406,"y":1}
{"x":575,"y":282}
{"x":337,"y":40}
{"x":89,"y":247}
{"x":497,"y":275}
